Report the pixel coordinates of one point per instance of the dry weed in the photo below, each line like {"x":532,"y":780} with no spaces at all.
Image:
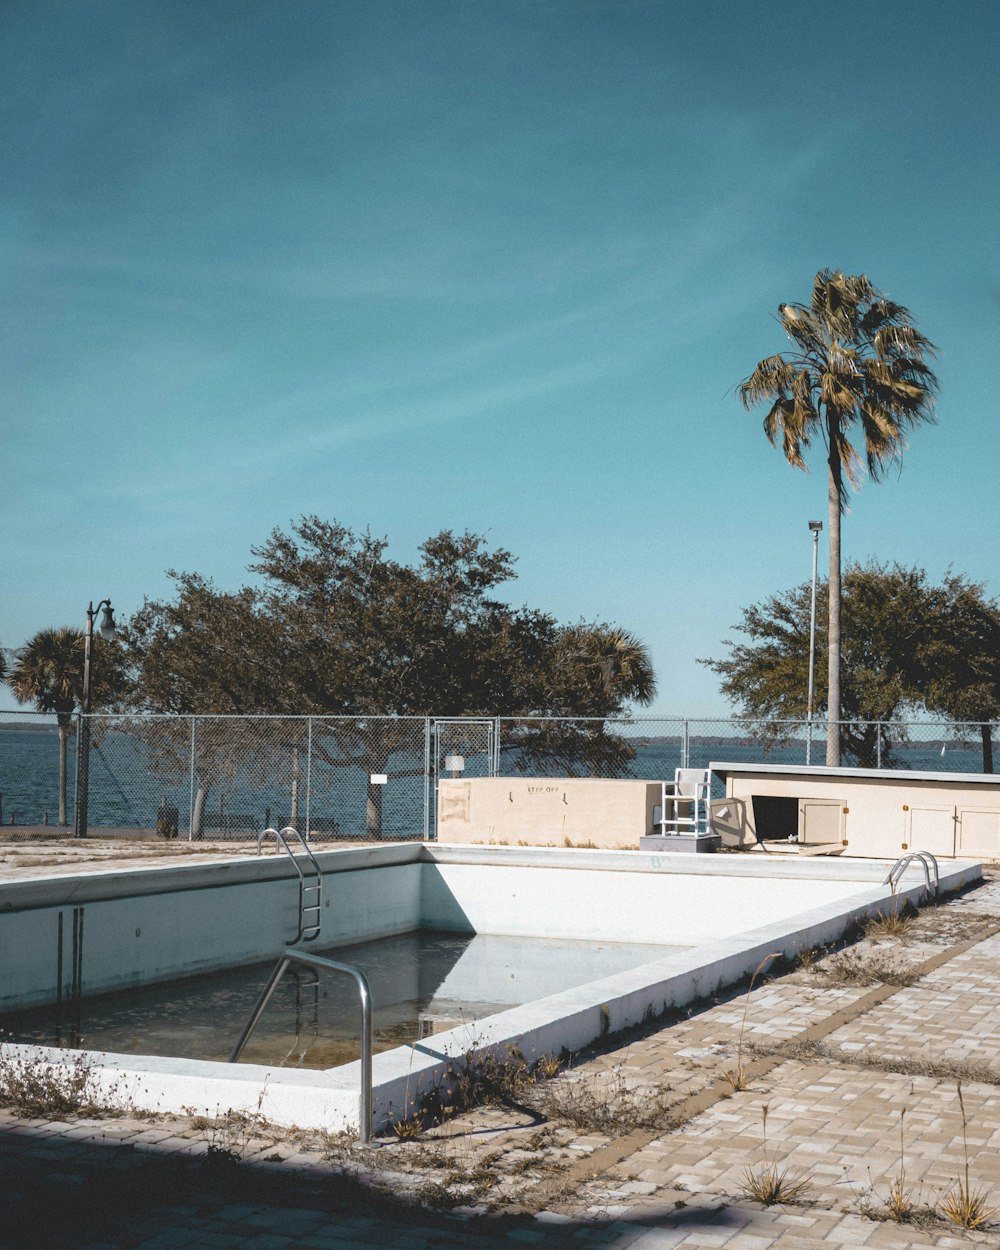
{"x":966,"y":1205}
{"x":767,"y":1183}
{"x":478,"y":1078}
{"x":889,"y":924}
{"x":968,"y":1208}
{"x":605,"y":1103}
{"x":807,"y":958}
{"x":738,"y":1077}
{"x":34,"y":1086}
{"x":859,"y":967}
{"x":229,"y":1133}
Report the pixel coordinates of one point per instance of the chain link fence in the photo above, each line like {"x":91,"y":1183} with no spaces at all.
{"x":374,"y":778}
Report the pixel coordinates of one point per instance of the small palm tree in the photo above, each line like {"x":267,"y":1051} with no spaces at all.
{"x":48,"y":672}
{"x":609,"y":667}
{"x":858,"y":363}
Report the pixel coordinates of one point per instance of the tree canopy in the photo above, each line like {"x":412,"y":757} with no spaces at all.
{"x":334,"y":626}
{"x":337,"y":626}
{"x":908,"y":645}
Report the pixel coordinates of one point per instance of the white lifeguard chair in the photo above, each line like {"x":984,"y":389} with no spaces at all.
{"x":684,"y":806}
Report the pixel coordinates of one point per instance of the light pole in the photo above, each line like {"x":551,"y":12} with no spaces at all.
{"x":814,"y":529}
{"x":107,"y":632}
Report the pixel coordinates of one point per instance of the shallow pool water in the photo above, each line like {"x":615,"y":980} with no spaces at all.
{"x":422,"y":983}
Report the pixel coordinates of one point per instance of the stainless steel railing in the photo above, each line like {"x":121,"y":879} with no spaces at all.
{"x":926,"y":861}
{"x":310,"y":892}
{"x":321,"y":961}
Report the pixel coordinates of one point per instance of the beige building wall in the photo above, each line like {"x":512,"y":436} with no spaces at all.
{"x":875,"y":813}
{"x":546,"y":811}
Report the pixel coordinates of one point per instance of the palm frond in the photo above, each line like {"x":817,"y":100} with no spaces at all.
{"x":850,"y":463}
{"x":772,"y":378}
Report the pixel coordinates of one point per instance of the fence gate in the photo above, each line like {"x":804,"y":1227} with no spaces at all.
{"x":461,"y":748}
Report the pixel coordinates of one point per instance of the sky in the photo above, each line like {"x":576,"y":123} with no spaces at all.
{"x":494,"y":265}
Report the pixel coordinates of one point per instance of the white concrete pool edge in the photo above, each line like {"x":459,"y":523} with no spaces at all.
{"x":566,"y":1021}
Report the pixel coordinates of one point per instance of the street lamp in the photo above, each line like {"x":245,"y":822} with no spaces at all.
{"x":814,"y":529}
{"x":107,"y":632}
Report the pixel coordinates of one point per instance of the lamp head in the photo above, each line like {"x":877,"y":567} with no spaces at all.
{"x":815,"y":526}
{"x":107,"y":629}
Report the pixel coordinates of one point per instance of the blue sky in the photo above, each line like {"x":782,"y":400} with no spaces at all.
{"x":494,"y":265}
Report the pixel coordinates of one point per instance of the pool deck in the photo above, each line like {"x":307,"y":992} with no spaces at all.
{"x":840,"y":1066}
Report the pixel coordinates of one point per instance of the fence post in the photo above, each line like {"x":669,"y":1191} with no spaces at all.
{"x":685,"y":747}
{"x":878,"y":744}
{"x":427,"y":778}
{"x":309,"y":773}
{"x":191,"y":786}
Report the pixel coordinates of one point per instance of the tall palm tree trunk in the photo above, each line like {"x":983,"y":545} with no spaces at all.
{"x":833,"y":621}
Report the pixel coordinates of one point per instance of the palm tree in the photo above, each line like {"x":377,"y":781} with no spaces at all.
{"x":604,"y":667}
{"x":48,"y":672}
{"x":858,"y":363}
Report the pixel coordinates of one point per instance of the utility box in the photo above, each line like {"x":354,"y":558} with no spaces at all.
{"x":546,"y":811}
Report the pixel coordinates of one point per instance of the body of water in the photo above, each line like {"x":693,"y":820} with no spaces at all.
{"x":421,"y":983}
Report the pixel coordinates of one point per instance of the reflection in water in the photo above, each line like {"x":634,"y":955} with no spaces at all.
{"x":421,"y":983}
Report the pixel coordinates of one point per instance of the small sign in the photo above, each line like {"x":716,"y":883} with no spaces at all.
{"x":380,"y":779}
{"x":454,"y":763}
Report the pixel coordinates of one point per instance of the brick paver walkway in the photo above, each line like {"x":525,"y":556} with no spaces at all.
{"x":644,"y":1146}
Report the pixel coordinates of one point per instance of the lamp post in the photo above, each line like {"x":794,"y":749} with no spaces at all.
{"x":107,"y":632}
{"x":814,"y":529}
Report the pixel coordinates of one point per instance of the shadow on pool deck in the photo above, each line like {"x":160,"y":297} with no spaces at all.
{"x":60,"y":1193}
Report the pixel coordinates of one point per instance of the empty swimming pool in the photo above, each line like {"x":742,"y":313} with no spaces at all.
{"x":69,"y":938}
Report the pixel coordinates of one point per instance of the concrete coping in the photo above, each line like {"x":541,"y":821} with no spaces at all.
{"x":91,"y":886}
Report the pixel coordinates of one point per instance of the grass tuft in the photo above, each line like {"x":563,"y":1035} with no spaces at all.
{"x":967,"y":1205}
{"x":968,"y":1208}
{"x":767,"y":1183}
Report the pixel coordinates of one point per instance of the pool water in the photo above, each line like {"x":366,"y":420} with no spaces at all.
{"x":421,"y":982}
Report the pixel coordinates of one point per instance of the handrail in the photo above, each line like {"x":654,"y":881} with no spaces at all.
{"x":313,"y":929}
{"x":926,"y":860}
{"x":321,"y":961}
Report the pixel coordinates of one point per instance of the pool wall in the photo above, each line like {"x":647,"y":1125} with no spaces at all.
{"x":732,"y":910}
{"x":137,"y":927}
{"x":111,"y":930}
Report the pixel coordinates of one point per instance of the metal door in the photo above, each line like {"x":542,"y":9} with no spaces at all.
{"x":461,"y":748}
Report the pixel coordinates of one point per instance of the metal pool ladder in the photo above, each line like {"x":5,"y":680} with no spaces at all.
{"x":927,"y":862}
{"x":365,"y":995}
{"x":310,"y":891}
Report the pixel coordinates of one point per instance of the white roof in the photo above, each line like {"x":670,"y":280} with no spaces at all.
{"x":897,"y":775}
